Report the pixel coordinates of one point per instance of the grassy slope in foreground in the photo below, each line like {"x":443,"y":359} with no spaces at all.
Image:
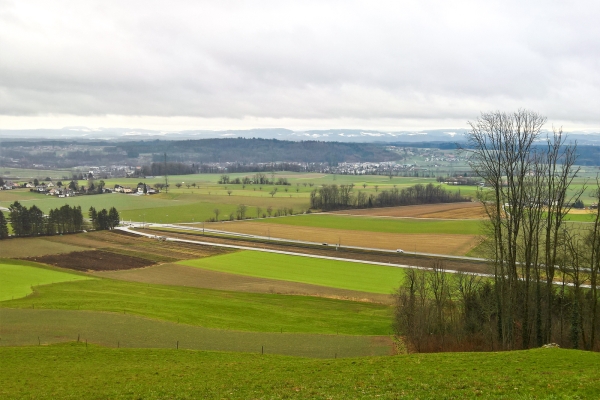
{"x":27,"y":327}
{"x":74,"y":371}
{"x":337,"y":274}
{"x":213,"y":308}
{"x":388,"y":225}
{"x":17,"y":278}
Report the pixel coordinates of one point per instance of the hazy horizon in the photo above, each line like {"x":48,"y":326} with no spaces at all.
{"x":387,"y":66}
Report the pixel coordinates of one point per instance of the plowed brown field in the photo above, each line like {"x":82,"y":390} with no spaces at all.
{"x":181,"y":275}
{"x":93,"y":260}
{"x":471,"y":210}
{"x":423,"y":243}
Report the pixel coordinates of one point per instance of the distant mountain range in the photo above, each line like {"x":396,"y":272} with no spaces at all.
{"x":337,"y":135}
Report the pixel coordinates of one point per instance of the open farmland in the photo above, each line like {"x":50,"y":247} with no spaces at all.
{"x":187,"y":204}
{"x":18,"y":277}
{"x":213,"y":309}
{"x":472,"y":210}
{"x":94,"y":260}
{"x":168,"y":373}
{"x":182,"y":275}
{"x":331,"y":273}
{"x":452,"y":244}
{"x":26,"y":327}
{"x":379,"y":224}
{"x":111,"y":241}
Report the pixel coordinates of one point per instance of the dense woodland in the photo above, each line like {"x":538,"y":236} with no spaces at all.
{"x":334,"y":197}
{"x":545,"y":271}
{"x":66,"y":219}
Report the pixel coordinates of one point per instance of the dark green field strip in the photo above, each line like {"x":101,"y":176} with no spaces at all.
{"x":214,"y":308}
{"x":386,"y":225}
{"x":73,"y":371}
{"x":32,"y":327}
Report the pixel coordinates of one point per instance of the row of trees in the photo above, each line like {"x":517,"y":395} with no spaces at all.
{"x":104,"y":220}
{"x":544,"y":271}
{"x":259,"y":179}
{"x":66,"y":219}
{"x":333,"y":197}
{"x":242,"y":212}
{"x":32,"y":221}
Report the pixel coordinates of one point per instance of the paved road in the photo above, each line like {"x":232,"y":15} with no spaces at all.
{"x":275,"y":239}
{"x":171,"y":239}
{"x":231,"y":246}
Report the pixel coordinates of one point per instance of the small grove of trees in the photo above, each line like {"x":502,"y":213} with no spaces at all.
{"x":32,"y":221}
{"x":543,"y":288}
{"x":438,"y":311}
{"x":334,"y":197}
{"x":104,"y":220}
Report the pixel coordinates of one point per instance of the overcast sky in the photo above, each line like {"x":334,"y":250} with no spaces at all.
{"x":398,"y":65}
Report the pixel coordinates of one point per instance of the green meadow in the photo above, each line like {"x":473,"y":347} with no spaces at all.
{"x":18,"y":277}
{"x":388,"y":225}
{"x":74,"y":371}
{"x":197,"y":203}
{"x":26,"y":327}
{"x":213,"y":308}
{"x":331,"y":273}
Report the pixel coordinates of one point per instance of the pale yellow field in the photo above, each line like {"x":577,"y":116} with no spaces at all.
{"x":425,"y":243}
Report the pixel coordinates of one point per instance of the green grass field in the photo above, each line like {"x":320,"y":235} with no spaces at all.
{"x":331,"y":273}
{"x":197,"y":203}
{"x":26,"y":327}
{"x":18,"y":277}
{"x":470,"y":227}
{"x":74,"y":371}
{"x":213,"y":308}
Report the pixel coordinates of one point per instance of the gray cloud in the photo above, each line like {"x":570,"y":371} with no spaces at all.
{"x":314,"y":60}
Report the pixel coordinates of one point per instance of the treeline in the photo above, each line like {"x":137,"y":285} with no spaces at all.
{"x":543,"y":286}
{"x":171,"y":168}
{"x":32,"y":221}
{"x":258,"y":179}
{"x":66,"y":219}
{"x":104,"y":220}
{"x":334,"y":197}
{"x":240,"y":150}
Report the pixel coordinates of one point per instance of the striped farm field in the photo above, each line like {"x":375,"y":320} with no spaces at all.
{"x":27,"y":327}
{"x":18,"y":277}
{"x":379,"y":224}
{"x":467,"y":210}
{"x":332,"y":273}
{"x":256,"y":312}
{"x":436,"y":243}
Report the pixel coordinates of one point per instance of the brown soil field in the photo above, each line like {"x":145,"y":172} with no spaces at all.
{"x":93,"y":260}
{"x":330,"y":251}
{"x":110,"y":241}
{"x":470,"y":210}
{"x":34,"y":247}
{"x":181,"y":275}
{"x":420,"y":242}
